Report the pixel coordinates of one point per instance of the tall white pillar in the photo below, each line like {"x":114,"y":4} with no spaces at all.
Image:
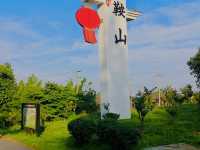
{"x":113,"y":51}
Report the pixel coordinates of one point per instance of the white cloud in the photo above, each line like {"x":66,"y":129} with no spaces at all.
{"x":160,"y":41}
{"x":49,"y":57}
{"x":164,"y":46}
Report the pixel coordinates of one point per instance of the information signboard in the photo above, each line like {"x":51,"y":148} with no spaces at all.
{"x":31,"y":116}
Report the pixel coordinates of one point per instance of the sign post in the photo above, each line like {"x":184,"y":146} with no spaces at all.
{"x":113,"y":53}
{"x":31,"y":117}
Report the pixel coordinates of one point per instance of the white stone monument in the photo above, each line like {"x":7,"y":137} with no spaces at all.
{"x":113,"y":52}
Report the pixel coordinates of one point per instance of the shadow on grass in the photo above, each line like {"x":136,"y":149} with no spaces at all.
{"x":71,"y":144}
{"x":9,"y":131}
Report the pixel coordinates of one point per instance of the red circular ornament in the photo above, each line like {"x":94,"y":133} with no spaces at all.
{"x":88,"y":18}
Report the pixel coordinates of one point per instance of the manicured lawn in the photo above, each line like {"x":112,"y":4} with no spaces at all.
{"x":159,"y":129}
{"x":53,"y":138}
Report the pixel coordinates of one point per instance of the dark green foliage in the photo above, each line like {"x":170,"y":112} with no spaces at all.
{"x":7,"y":91}
{"x":9,"y":117}
{"x":170,"y":95}
{"x":143,"y":103}
{"x":194,"y":65}
{"x":62,"y":101}
{"x":87,"y":102}
{"x":172,"y":111}
{"x":196,"y":97}
{"x":180,"y":98}
{"x":7,"y":85}
{"x":33,"y":91}
{"x":57,"y":101}
{"x":173,"y":101}
{"x":142,"y":108}
{"x":187,"y":92}
{"x":82,"y":129}
{"x":159,"y":130}
{"x":56,"y":98}
{"x":71,"y":97}
{"x":86,"y":97}
{"x":91,"y":129}
{"x":111,"y":116}
{"x":117,"y":135}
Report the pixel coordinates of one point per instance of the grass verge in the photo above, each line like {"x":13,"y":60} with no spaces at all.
{"x":159,"y":129}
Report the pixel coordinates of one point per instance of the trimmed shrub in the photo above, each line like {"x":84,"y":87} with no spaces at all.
{"x":111,"y":116}
{"x":89,"y":129}
{"x":118,"y":136}
{"x":82,"y":129}
{"x":173,"y":111}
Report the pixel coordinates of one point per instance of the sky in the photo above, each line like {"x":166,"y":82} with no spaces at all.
{"x":43,"y":38}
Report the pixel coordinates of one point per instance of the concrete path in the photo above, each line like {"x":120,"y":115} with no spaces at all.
{"x":173,"y":147}
{"x":11,"y":145}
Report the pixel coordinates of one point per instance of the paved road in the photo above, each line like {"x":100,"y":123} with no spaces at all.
{"x":174,"y":147}
{"x":8,"y":145}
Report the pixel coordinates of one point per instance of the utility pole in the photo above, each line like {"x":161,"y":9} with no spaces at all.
{"x":159,"y":76}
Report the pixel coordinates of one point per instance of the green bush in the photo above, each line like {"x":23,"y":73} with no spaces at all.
{"x":107,"y":131}
{"x":196,"y":97}
{"x":173,"y":111}
{"x":82,"y":130}
{"x":8,"y":119}
{"x":143,"y":103}
{"x":118,"y":136}
{"x":111,"y":116}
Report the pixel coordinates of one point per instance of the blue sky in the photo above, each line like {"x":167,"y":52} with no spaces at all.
{"x":42,"y":37}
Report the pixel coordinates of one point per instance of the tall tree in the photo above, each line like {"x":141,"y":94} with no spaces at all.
{"x":7,"y":84}
{"x":173,"y":100}
{"x":57,"y":99}
{"x":33,"y":89}
{"x":143,"y":103}
{"x":19,"y":95}
{"x":194,"y":65}
{"x":187,"y":92}
{"x":86,"y":97}
{"x":7,"y":92}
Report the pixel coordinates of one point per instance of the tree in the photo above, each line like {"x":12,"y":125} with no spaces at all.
{"x":56,"y":100}
{"x":158,"y":97}
{"x":86,"y":97}
{"x":196,"y":98}
{"x":194,"y":65}
{"x":7,"y":92}
{"x":33,"y":91}
{"x":72,"y":90}
{"x":7,"y":84}
{"x":173,"y":100}
{"x":19,"y":95}
{"x":143,"y":103}
{"x":87,"y":102}
{"x":187,"y":92}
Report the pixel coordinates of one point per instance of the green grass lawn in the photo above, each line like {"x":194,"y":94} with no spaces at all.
{"x":159,"y":129}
